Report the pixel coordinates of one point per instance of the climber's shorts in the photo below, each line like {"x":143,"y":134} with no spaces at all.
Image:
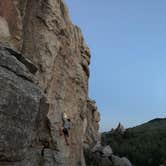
{"x":65,"y":131}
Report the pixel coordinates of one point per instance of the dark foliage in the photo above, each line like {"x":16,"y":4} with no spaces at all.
{"x":144,"y":145}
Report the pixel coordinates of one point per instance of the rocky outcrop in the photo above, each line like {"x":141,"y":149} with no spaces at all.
{"x":42,"y":32}
{"x":103,"y":156}
{"x":91,"y":125}
{"x":120,"y":129}
{"x":21,"y":103}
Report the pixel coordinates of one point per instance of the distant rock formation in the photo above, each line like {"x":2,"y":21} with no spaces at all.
{"x":120,"y":129}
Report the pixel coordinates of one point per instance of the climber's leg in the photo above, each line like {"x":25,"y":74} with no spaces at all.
{"x":66,"y":135}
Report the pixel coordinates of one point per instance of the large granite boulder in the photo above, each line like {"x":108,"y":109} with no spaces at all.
{"x":120,"y":129}
{"x":97,"y":148}
{"x":107,"y":151}
{"x":20,"y":101}
{"x":117,"y":161}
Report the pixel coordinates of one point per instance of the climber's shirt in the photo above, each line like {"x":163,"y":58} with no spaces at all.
{"x":67,"y":124}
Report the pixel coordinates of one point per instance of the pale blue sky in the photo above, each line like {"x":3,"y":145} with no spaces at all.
{"x":127,"y":39}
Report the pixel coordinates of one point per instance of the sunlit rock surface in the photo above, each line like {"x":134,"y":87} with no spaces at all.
{"x":43,"y":33}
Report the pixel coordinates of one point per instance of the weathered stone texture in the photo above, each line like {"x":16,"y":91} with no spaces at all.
{"x":91,"y":124}
{"x":44,"y":33}
{"x":4,"y":32}
{"x":20,"y":101}
{"x":10,"y":12}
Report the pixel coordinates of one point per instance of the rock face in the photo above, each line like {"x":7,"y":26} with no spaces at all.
{"x":20,"y":107}
{"x":91,"y":124}
{"x":4,"y":31}
{"x":43,"y":33}
{"x":11,"y":14}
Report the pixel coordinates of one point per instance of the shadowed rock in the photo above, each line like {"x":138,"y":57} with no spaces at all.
{"x":20,"y":101}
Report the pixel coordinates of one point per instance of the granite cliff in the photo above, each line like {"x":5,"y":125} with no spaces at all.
{"x":44,"y":72}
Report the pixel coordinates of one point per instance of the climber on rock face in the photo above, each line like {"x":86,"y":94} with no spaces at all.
{"x":66,"y":127}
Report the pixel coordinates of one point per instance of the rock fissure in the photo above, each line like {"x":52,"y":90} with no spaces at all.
{"x":19,"y":75}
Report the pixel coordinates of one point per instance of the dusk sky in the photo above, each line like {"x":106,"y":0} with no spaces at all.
{"x":127,"y":39}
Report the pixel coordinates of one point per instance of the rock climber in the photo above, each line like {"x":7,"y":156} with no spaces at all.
{"x":66,"y":127}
